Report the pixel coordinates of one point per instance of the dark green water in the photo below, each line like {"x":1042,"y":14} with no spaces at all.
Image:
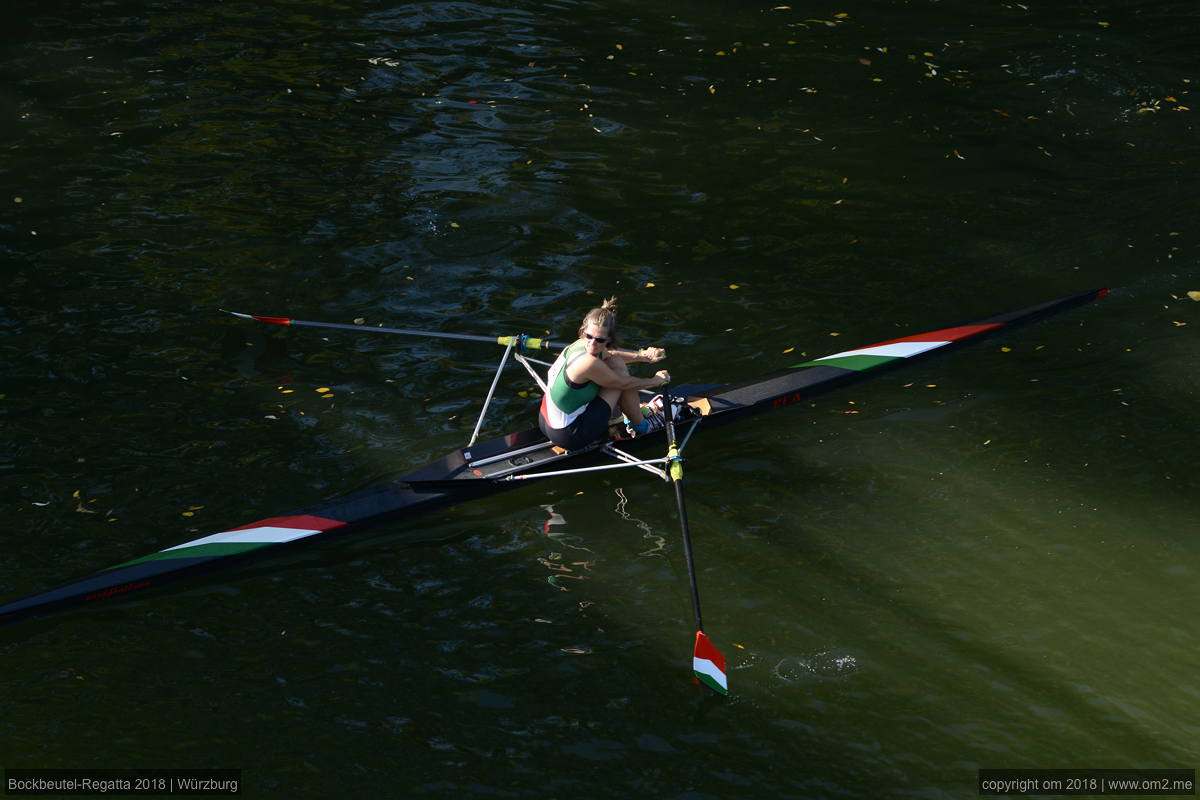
{"x":993,"y":563}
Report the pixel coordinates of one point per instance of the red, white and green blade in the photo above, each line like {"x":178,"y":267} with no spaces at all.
{"x":877,"y":355}
{"x":709,"y":665}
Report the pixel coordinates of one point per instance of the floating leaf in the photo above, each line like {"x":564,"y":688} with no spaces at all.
{"x":359,"y":320}
{"x":1178,"y":324}
{"x":734,"y":286}
{"x":1005,"y":349}
{"x":1195,"y":296}
{"x":649,"y":285}
{"x":323,"y":389}
{"x":790,"y":349}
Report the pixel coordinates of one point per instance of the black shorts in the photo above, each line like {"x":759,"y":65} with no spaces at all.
{"x":590,"y":426}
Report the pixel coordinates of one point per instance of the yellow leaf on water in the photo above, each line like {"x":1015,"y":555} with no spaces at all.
{"x":1104,"y":24}
{"x":188,"y":514}
{"x":1178,"y":324}
{"x":1195,"y":296}
{"x":712,"y":89}
{"x":738,"y":646}
{"x":1005,"y":349}
{"x":790,"y":349}
{"x":323,"y":389}
{"x":834,"y":333}
{"x":649,"y":285}
{"x":931,"y":386}
{"x":359,"y":320}
{"x":734,"y":286}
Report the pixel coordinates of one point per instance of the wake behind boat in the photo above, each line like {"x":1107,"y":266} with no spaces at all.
{"x":489,"y":467}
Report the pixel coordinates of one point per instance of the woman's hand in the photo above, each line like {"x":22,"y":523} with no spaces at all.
{"x":653,"y":354}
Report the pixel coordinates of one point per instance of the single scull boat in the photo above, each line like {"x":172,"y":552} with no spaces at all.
{"x":492,"y":466}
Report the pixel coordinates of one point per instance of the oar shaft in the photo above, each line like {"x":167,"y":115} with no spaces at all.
{"x":675,"y":470}
{"x":528,"y":343}
{"x":687,"y":553}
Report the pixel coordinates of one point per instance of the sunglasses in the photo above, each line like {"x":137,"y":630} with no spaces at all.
{"x":596,"y":339}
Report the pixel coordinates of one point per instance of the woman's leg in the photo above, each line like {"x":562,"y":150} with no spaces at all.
{"x":629,"y":401}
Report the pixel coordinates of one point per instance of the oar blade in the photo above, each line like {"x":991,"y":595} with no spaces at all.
{"x":260,"y":318}
{"x":709,"y":665}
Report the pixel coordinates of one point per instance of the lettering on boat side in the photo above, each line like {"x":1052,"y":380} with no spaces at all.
{"x":129,"y":587}
{"x":786,"y":400}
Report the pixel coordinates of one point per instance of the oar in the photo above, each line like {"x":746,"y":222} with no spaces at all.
{"x":521,"y":341}
{"x":707,"y":662}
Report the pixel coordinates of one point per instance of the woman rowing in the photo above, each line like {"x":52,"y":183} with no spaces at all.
{"x":590,"y":382}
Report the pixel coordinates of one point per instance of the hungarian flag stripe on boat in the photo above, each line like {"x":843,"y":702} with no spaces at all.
{"x":248,"y":537}
{"x":884,"y":352}
{"x":709,"y":665}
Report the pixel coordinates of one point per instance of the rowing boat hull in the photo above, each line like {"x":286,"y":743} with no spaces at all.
{"x":455,"y":478}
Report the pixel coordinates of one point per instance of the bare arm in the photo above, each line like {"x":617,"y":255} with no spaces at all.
{"x":600,"y":373}
{"x":647,"y":355}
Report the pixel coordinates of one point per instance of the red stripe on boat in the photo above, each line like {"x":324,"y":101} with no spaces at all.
{"x":302,"y":522}
{"x":944,"y":335}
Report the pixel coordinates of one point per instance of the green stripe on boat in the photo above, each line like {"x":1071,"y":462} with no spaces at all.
{"x":857,"y":363}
